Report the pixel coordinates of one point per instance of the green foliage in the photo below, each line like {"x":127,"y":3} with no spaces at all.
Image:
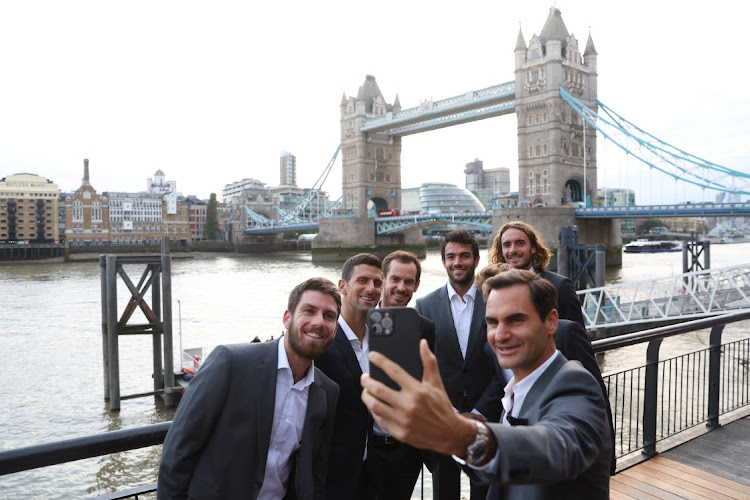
{"x":650,"y":224}
{"x":211,"y":229}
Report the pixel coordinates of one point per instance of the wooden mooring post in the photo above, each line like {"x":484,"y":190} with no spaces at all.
{"x":157,"y":277}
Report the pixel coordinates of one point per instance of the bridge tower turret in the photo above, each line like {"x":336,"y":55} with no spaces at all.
{"x":553,"y":156}
{"x":371,"y":162}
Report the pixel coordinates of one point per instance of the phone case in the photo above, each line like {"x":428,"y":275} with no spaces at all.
{"x":394,"y":332}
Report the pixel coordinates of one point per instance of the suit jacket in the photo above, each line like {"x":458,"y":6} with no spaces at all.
{"x":573,"y":342}
{"x":465,"y":379}
{"x":218,"y":442}
{"x":565,"y":450}
{"x":568,"y":305}
{"x":353,"y":420}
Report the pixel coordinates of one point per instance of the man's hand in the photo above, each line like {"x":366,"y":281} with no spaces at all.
{"x":420,"y":413}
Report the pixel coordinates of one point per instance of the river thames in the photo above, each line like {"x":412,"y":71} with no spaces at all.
{"x":51,"y":351}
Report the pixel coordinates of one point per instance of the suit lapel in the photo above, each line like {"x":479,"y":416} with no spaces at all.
{"x":445,"y":318}
{"x":347,"y":353}
{"x":314,"y":417}
{"x":477,"y":320}
{"x":266,"y":369}
{"x":541,"y":385}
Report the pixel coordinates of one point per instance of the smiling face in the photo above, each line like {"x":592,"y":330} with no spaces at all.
{"x":362,"y":292}
{"x":459,"y":262}
{"x":312,"y":325}
{"x":400,"y":284}
{"x":516,"y":248}
{"x":521,"y":340}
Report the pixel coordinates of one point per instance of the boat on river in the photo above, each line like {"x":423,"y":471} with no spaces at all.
{"x":653,"y":246}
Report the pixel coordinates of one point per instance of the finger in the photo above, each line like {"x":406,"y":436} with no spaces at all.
{"x":393,"y":370}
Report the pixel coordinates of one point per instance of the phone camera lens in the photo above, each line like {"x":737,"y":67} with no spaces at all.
{"x":376,"y":316}
{"x":377,"y":329}
{"x":387,"y":322}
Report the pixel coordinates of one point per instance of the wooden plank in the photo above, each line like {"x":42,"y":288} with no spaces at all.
{"x":719,"y":480}
{"x":616,"y":495}
{"x":671,"y":484}
{"x":621,"y":488}
{"x":646,"y":488}
{"x":712,"y":484}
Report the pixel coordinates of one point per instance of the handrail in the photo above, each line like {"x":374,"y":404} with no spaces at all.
{"x":666,"y":331}
{"x":69,"y":450}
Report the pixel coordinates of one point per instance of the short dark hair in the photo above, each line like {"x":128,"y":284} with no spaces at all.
{"x":541,"y":292}
{"x":315,"y":284}
{"x":462,"y":237}
{"x":539,"y":259}
{"x":355,"y":260}
{"x":405,"y":258}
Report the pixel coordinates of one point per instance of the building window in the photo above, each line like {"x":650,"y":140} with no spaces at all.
{"x":77,"y":210}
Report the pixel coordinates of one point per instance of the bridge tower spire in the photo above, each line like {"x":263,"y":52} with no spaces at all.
{"x":553,"y":155}
{"x":371,"y":162}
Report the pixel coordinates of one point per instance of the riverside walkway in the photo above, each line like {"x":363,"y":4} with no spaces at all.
{"x":714,"y":466}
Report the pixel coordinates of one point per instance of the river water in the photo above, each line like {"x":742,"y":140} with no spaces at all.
{"x":51,"y":349}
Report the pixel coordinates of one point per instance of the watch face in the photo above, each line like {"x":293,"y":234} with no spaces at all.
{"x":476,"y":452}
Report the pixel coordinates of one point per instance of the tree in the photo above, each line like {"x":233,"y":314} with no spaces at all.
{"x":650,"y":224}
{"x":211,"y":230}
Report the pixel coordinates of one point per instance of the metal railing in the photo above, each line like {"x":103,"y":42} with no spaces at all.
{"x":662,"y":398}
{"x":650,"y":403}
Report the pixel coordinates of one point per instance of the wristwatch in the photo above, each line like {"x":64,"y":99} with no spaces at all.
{"x":476,"y":452}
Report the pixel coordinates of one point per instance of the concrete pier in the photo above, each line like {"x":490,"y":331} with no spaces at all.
{"x":340,"y":238}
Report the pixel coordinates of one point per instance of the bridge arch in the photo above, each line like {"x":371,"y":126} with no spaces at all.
{"x":374,"y":204}
{"x":573,"y":192}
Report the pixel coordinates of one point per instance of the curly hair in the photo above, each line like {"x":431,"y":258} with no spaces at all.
{"x":539,"y":259}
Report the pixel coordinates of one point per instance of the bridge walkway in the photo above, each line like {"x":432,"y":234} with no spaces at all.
{"x":715,"y":465}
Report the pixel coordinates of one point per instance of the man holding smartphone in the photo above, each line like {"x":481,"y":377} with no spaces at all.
{"x":457,"y":309}
{"x":396,"y":464}
{"x":350,"y":474}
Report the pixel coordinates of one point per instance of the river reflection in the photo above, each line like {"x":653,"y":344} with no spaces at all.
{"x":51,"y":349}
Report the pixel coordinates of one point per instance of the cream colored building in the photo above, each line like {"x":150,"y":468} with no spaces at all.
{"x":86,"y":215}
{"x":28,"y":209}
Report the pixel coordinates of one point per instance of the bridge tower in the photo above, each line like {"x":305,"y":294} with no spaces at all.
{"x":371,"y":181}
{"x":371,"y":162}
{"x":555,"y":150}
{"x":553,"y":153}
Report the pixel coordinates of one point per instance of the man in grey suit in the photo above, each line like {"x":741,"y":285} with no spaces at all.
{"x":257,"y":419}
{"x":553,"y":441}
{"x":519,"y":245}
{"x":457,"y":309}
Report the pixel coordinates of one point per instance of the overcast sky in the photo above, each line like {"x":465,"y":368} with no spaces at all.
{"x":211,"y":92}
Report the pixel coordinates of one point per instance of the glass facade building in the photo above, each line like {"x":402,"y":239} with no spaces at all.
{"x":436,"y":198}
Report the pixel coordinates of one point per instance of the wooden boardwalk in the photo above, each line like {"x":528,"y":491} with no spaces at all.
{"x":715,"y":465}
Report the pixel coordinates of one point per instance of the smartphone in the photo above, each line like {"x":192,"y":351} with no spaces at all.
{"x":394,"y":332}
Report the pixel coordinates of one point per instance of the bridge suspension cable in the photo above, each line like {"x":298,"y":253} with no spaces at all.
{"x":658,"y":154}
{"x":293,"y":214}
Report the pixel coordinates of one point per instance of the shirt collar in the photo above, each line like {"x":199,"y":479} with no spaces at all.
{"x":348,"y":331}
{"x":526,"y":383}
{"x":284,"y":363}
{"x":471,"y":293}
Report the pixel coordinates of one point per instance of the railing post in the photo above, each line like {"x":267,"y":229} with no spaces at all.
{"x":166,"y":272}
{"x":714,"y":377}
{"x":105,"y":340}
{"x":650,"y":399}
{"x":112,"y":332}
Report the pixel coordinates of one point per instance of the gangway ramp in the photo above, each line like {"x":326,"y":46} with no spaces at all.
{"x":667,"y":300}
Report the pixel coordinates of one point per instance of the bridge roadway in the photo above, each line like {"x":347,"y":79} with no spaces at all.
{"x":386,"y":225}
{"x":670,"y":299}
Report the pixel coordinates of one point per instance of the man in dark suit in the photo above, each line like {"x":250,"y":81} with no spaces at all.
{"x":518,"y":244}
{"x":350,"y":475}
{"x":457,"y":310}
{"x":396,"y":464}
{"x":553,"y":441}
{"x":257,"y":418}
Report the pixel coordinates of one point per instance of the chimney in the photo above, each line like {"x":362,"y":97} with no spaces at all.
{"x":86,"y":171}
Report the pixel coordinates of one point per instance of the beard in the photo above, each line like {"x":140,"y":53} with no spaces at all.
{"x":299,"y":348}
{"x":466,"y":280}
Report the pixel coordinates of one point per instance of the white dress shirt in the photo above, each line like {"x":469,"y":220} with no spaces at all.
{"x":290,"y":406}
{"x":462,"y":309}
{"x":361,"y":350}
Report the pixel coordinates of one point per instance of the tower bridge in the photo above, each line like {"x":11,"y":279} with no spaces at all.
{"x":559,"y":117}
